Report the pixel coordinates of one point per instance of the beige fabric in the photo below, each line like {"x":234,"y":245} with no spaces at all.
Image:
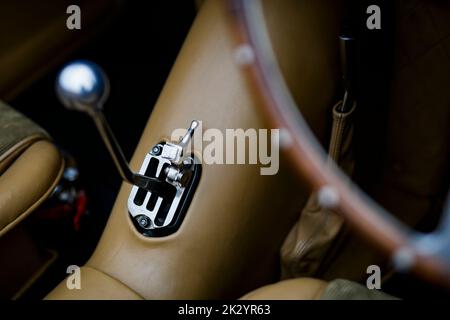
{"x":309,"y":241}
{"x":341,"y":289}
{"x":94,"y":285}
{"x":15,"y":128}
{"x":293,"y":289}
{"x":315,"y":289}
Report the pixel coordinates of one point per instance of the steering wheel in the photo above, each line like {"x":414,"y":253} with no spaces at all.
{"x":427,"y":255}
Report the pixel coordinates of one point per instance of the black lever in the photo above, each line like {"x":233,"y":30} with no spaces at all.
{"x":83,"y":86}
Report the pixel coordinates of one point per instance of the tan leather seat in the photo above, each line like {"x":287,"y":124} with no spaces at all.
{"x":292,"y":289}
{"x":95,"y":285}
{"x":98,"y":285}
{"x":30,"y":167}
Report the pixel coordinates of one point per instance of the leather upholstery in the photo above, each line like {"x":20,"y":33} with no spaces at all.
{"x":41,"y":39}
{"x":14,"y":128}
{"x":316,"y":233}
{"x":228,"y":243}
{"x":415,"y":177}
{"x":94,"y":285}
{"x":293,"y":289}
{"x":30,"y":167}
{"x":27,"y":182}
{"x":315,"y":289}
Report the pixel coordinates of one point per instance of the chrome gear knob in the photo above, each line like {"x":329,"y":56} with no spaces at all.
{"x":83,"y":86}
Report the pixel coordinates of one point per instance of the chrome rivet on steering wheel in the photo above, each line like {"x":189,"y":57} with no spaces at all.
{"x":244,"y":55}
{"x":327,"y":197}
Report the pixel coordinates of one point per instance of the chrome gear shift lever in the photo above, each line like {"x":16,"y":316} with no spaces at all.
{"x":83,"y":86}
{"x":169,"y":174}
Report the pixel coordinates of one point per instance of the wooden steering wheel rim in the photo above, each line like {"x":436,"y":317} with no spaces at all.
{"x":255,"y":56}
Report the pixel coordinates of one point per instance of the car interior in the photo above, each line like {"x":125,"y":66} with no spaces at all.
{"x":117,"y":181}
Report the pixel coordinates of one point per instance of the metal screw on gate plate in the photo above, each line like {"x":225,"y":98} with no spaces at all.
{"x":144,"y":221}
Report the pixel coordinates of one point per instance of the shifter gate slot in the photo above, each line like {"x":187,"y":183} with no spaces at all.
{"x":158,"y":214}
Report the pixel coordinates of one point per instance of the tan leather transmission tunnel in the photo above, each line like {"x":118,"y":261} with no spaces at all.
{"x":219,"y":251}
{"x":30,"y":167}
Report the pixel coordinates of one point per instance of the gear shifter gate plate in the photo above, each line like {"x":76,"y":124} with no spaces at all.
{"x":161,"y":214}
